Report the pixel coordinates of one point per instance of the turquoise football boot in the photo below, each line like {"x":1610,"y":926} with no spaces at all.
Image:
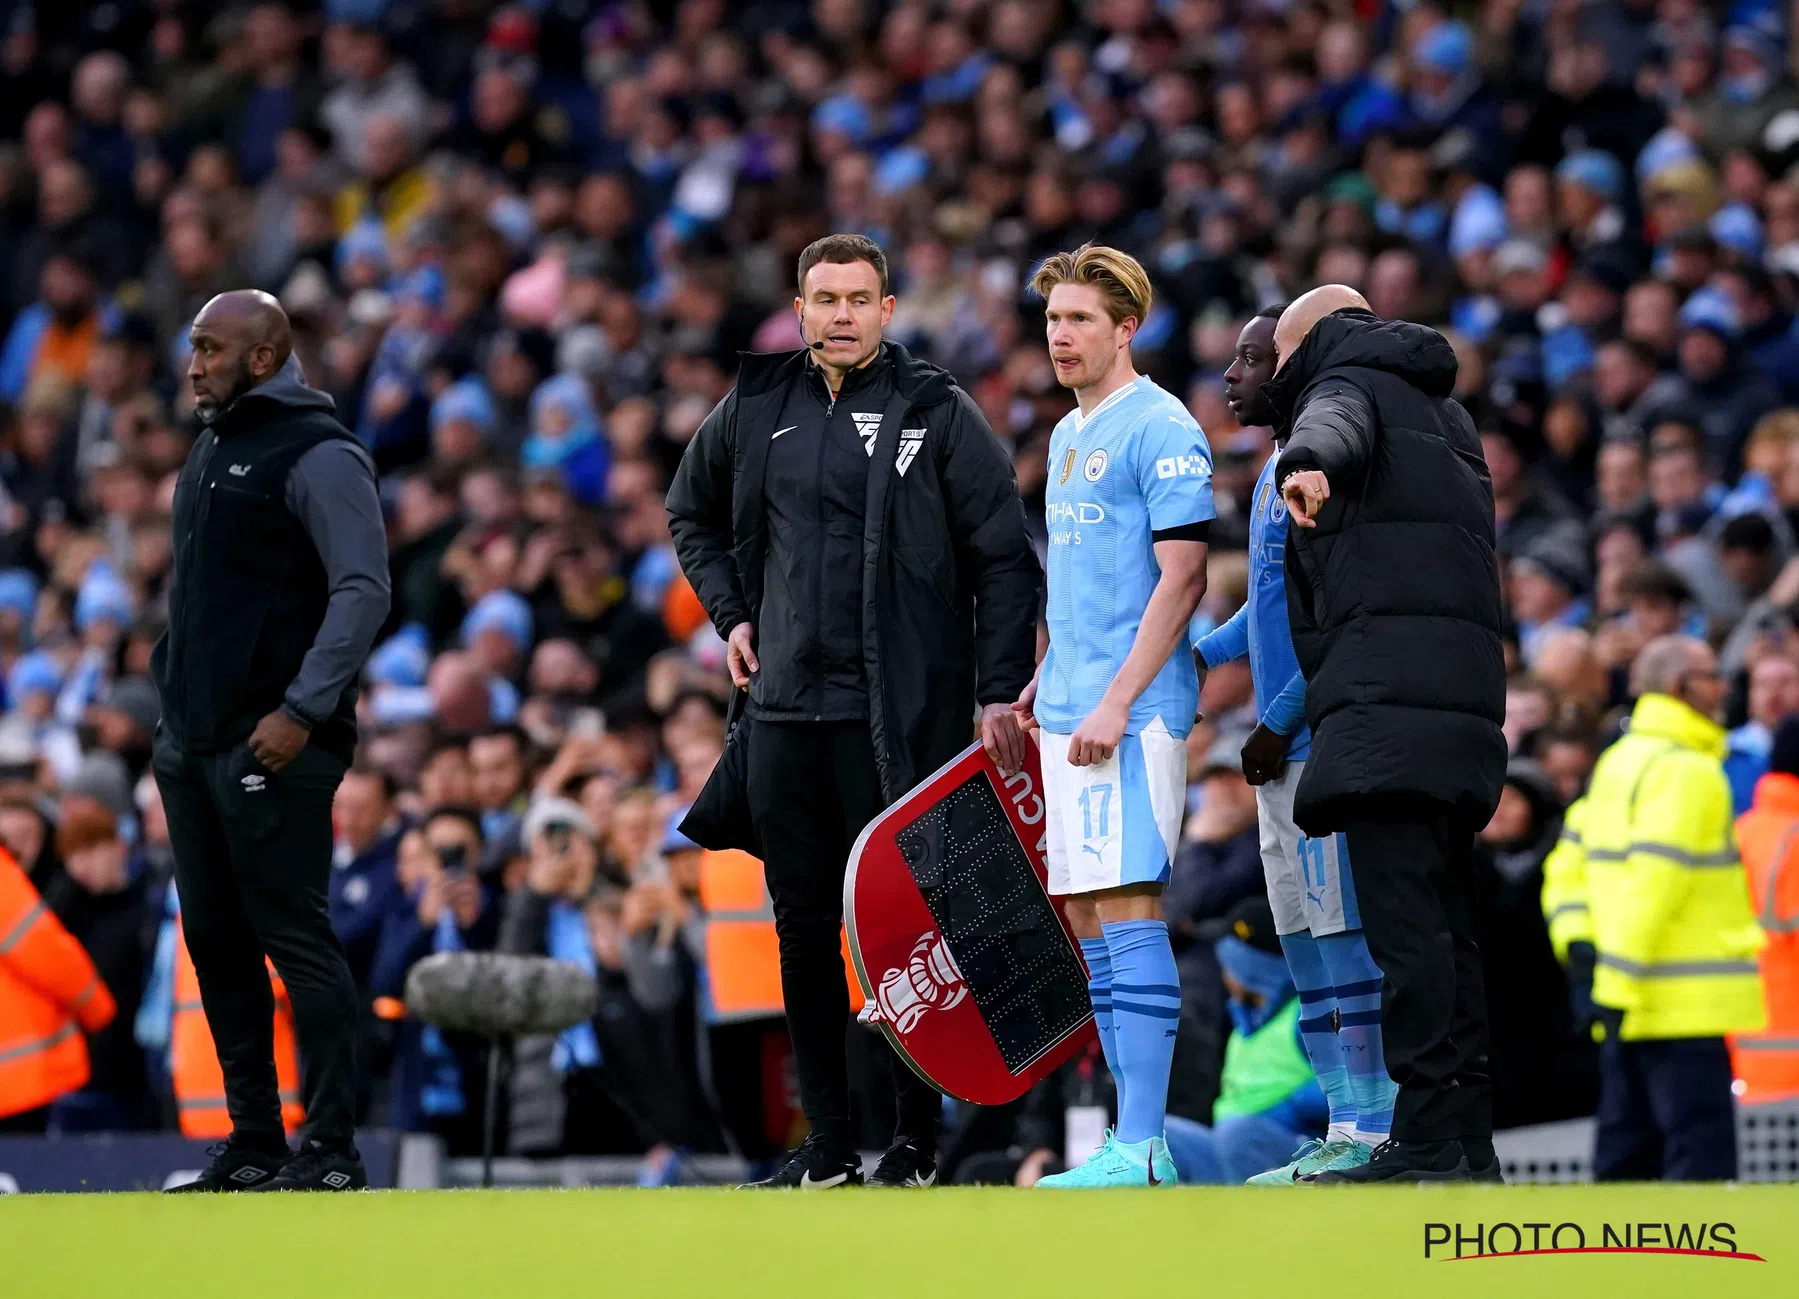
{"x":1114,"y":1164}
{"x":1314,"y":1157}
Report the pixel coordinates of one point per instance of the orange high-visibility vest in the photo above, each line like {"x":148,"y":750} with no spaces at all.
{"x":743,"y":955}
{"x":1767,"y":1062}
{"x":49,"y":994}
{"x":194,"y":1061}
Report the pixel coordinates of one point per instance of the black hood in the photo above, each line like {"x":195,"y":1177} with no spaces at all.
{"x":286,"y":388}
{"x":1352,"y":337}
{"x":1516,"y":859}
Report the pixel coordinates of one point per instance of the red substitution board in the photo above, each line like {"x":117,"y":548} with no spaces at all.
{"x":967,"y":963}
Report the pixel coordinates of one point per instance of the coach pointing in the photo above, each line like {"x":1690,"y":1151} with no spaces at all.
{"x":853,"y":528}
{"x":1393,"y":596}
{"x":280,"y":586}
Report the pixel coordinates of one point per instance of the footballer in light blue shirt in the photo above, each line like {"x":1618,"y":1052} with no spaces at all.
{"x":1129,"y":508}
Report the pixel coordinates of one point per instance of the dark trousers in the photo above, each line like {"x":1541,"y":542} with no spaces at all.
{"x":252,"y":861}
{"x":1414,"y":880}
{"x":1665,"y":1111}
{"x":812,"y":787}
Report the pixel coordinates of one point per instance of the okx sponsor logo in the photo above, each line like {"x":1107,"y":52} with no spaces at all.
{"x":1468,"y":1240}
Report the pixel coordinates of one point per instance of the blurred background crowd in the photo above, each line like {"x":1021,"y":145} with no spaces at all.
{"x":522,"y":246}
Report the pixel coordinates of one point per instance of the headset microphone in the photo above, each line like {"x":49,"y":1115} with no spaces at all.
{"x":819,"y":346}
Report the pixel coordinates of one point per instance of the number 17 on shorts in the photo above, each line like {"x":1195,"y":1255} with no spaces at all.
{"x":1114,"y":822}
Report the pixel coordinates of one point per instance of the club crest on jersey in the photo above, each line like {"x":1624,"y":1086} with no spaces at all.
{"x":1067,"y":466}
{"x":1095,"y":466}
{"x":866,"y":427}
{"x":911,"y":439}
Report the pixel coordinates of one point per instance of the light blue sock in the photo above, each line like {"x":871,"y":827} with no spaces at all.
{"x":1146,"y":1004}
{"x":1099,"y":988}
{"x":1357,"y":980}
{"x":1317,"y":1029}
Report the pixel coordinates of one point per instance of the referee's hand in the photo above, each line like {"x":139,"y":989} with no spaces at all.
{"x":277,"y":740}
{"x":740,"y":654}
{"x":1002,"y":739}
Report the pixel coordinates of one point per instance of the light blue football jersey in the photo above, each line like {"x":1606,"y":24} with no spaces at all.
{"x":1139,"y":464}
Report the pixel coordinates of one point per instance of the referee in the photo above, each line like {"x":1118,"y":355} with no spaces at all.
{"x":280,"y":587}
{"x":853,"y":528}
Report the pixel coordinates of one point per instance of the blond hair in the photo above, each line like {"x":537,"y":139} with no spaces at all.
{"x":1120,"y":278}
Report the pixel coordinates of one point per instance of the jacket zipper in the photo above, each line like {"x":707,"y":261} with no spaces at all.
{"x":178,"y":646}
{"x":818,"y":509}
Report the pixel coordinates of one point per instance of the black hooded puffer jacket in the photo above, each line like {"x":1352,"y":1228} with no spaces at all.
{"x":1394,"y":595}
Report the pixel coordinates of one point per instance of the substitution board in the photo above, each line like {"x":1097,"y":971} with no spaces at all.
{"x":967,"y":962}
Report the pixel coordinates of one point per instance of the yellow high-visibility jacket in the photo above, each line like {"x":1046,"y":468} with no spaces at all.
{"x":1647,"y":871}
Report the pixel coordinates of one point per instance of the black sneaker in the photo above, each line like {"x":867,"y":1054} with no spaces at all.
{"x":321,"y":1168}
{"x":905,"y":1164}
{"x":236,"y":1167}
{"x":813,"y":1166}
{"x":1403,"y":1161}
{"x":1483,"y":1160}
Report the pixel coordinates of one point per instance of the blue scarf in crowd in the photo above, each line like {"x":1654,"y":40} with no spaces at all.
{"x":440,"y":1095}
{"x":576,"y":1047}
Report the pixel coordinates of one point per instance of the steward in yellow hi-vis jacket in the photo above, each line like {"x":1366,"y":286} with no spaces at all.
{"x":1646,"y":892}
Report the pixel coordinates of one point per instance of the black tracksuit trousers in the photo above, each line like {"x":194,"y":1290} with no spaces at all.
{"x":813,"y":786}
{"x":1414,"y":879}
{"x":252,"y":863}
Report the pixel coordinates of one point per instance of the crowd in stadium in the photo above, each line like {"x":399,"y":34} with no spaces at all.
{"x":522,"y":246}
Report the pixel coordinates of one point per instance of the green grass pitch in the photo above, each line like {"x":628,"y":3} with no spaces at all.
{"x":923,"y":1245}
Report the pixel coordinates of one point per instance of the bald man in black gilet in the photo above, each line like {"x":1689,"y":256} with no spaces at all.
{"x":280,"y":587}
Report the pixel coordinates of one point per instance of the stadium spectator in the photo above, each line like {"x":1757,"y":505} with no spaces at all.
{"x":1543,"y":1064}
{"x":544,"y":917}
{"x":1767,"y":1063}
{"x":103,"y":897}
{"x":1773,"y":697}
{"x":438,"y":1080}
{"x":50,"y":998}
{"x":1217,"y":866}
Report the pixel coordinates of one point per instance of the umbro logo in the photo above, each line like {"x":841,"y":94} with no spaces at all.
{"x":253,"y":783}
{"x":238,"y":471}
{"x":336,"y":1180}
{"x":867,"y":426}
{"x":248,"y":1173}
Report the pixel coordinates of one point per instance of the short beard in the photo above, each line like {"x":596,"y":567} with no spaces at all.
{"x":1259,"y":413}
{"x":241,"y":383}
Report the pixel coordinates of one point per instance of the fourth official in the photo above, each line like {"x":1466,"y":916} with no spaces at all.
{"x":853,"y":528}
